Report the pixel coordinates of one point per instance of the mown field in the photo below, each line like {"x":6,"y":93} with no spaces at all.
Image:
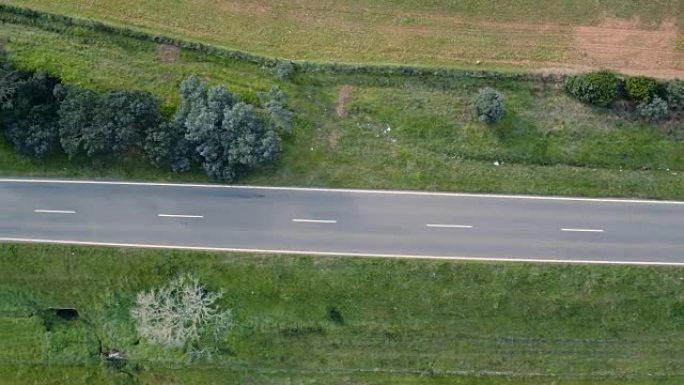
{"x":398,"y":132}
{"x":634,"y":36}
{"x":401,"y":322}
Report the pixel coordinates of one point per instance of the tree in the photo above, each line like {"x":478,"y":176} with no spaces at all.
{"x":29,"y":112}
{"x":9,"y":76}
{"x":180,"y":313}
{"x":112,"y":123}
{"x":228,"y":136}
{"x":275,"y":103}
{"x":242,"y":142}
{"x":77,"y":114}
{"x":166,"y":147}
{"x":124,"y":118}
{"x":490,"y":105}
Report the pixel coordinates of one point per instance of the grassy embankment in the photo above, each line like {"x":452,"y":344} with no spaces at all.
{"x":514,"y":34}
{"x":403,"y":322}
{"x":549,"y":144}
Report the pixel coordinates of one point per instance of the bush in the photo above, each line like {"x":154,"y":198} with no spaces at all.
{"x":179,"y":314}
{"x":655,"y":110}
{"x":641,"y":88}
{"x":490,"y":105}
{"x":597,"y":88}
{"x":275,"y":103}
{"x":675,"y":94}
{"x":284,"y":70}
{"x":29,"y":113}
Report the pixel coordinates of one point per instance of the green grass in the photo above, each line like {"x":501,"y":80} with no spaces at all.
{"x":404,"y":321}
{"x":549,"y":144}
{"x":518,"y":33}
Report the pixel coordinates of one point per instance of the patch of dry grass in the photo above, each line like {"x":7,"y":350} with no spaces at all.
{"x":550,"y":35}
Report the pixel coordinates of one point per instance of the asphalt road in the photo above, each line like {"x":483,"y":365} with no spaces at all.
{"x":344,"y":222}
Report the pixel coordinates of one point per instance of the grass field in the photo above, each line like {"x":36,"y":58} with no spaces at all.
{"x":549,"y":144}
{"x":405,"y":322}
{"x":634,"y":36}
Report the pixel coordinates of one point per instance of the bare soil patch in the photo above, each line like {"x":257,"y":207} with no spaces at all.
{"x":168,"y":53}
{"x":626,"y":46}
{"x":343,"y":99}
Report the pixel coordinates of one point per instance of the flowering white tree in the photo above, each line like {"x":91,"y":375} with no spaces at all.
{"x":179,"y":313}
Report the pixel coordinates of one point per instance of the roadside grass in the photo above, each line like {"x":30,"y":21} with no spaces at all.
{"x":518,"y":33}
{"x":400,"y":321}
{"x":548,"y":144}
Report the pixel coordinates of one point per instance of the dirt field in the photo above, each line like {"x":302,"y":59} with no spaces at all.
{"x":631,"y":36}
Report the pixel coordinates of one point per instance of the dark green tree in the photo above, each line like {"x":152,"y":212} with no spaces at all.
{"x":166,"y":147}
{"x":243,"y":141}
{"x":29,"y":112}
{"x":77,"y":114}
{"x":112,"y":123}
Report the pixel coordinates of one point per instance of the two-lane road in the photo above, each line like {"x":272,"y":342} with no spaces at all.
{"x":342,"y":222}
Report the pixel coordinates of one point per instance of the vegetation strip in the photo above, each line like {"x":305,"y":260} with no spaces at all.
{"x":329,"y":318}
{"x":55,"y":22}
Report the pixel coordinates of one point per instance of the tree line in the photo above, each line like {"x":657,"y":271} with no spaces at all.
{"x":212,"y":128}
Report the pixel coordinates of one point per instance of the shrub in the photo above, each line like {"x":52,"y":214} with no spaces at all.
{"x":641,"y":88}
{"x":490,"y":105}
{"x":655,"y":110}
{"x":675,"y":94}
{"x":29,"y":113}
{"x":284,"y":70}
{"x":597,"y":88}
{"x":275,"y":103}
{"x":180,"y":313}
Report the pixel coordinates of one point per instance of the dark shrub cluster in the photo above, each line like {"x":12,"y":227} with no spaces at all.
{"x":490,"y":105}
{"x":212,"y":126}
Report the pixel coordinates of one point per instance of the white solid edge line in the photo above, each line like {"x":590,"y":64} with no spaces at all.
{"x":583,"y":230}
{"x":336,"y":253}
{"x":179,"y":216}
{"x":54,"y":211}
{"x":449,"y":226}
{"x":342,"y":190}
{"x":299,"y":220}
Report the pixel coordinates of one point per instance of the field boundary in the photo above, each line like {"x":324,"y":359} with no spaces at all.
{"x":61,"y":23}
